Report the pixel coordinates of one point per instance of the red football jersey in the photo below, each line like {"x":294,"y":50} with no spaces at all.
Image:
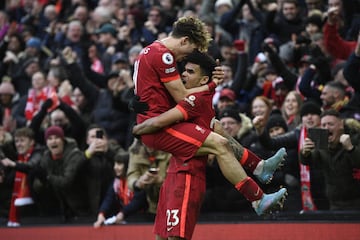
{"x":196,"y":108}
{"x":155,"y":65}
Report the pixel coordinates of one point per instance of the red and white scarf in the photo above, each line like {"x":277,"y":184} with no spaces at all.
{"x":21,"y":188}
{"x":122,"y":190}
{"x":306,"y":197}
{"x":36,"y":99}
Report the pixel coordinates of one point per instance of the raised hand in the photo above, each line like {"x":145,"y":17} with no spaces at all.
{"x":333,"y":15}
{"x":68,"y":55}
{"x":218,"y":73}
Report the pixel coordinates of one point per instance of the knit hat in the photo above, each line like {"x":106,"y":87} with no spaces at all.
{"x":34,"y":42}
{"x":54,"y":130}
{"x":30,"y":61}
{"x":310,"y":108}
{"x":231,"y":113}
{"x":276,"y":120}
{"x":223,"y":2}
{"x":7,"y":88}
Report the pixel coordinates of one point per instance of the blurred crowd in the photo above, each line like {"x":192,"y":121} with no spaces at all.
{"x":66,"y":82}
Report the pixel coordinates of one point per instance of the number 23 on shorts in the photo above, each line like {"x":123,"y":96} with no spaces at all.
{"x":172,"y":218}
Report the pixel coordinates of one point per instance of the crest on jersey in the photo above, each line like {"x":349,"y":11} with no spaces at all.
{"x":167,"y":58}
{"x":190,"y":100}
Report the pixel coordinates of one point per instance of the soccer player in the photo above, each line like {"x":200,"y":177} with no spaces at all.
{"x":177,"y":213}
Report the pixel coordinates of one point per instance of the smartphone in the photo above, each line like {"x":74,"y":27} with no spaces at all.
{"x":320,"y":137}
{"x":153,"y":170}
{"x":99,"y":134}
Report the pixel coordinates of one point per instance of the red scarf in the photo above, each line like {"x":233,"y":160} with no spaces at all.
{"x":20,"y":189}
{"x":290,"y":119}
{"x":35,"y":100}
{"x":122,"y":190}
{"x":307,"y":200}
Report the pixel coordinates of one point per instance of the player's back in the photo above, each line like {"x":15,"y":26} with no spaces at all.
{"x":154,"y":66}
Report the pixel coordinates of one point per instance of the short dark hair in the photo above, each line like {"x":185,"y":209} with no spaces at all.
{"x":92,"y":126}
{"x":330,"y":112}
{"x":123,"y":158}
{"x":204,"y":60}
{"x":337,"y":85}
{"x":24,"y":132}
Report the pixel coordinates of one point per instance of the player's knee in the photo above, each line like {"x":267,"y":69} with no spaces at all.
{"x":221,"y":144}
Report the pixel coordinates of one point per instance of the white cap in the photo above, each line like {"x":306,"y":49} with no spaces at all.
{"x":223,"y":2}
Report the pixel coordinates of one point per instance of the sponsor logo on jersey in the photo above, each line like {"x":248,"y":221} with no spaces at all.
{"x":170,"y":70}
{"x":167,"y":58}
{"x":200,"y":129}
{"x":191,"y":100}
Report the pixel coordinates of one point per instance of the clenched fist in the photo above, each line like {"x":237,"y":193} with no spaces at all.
{"x":345,"y":140}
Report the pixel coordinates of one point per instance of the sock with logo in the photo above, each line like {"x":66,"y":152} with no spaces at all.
{"x":250,"y":189}
{"x":249,"y":160}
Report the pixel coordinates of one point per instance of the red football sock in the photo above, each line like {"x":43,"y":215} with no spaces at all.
{"x":249,"y":188}
{"x":249,"y":160}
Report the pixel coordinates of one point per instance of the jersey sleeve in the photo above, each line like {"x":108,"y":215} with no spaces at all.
{"x":190,"y":106}
{"x":165,"y":65}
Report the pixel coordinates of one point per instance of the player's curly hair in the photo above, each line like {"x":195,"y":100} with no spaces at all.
{"x":194,"y":29}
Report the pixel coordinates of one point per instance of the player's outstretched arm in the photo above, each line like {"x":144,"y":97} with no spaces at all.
{"x":156,"y":123}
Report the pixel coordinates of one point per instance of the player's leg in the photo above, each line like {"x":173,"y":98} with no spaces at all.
{"x":179,"y":205}
{"x":229,"y":165}
{"x":262,"y":169}
{"x":160,"y":217}
{"x":187,"y":139}
{"x":234,"y":173}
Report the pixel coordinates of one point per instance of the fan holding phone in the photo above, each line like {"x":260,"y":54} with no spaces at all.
{"x":147,"y":171}
{"x":340,"y":161}
{"x":100,"y":155}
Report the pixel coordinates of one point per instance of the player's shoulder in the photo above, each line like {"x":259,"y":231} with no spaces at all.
{"x":197,"y":98}
{"x":155,"y":48}
{"x":159,"y":52}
